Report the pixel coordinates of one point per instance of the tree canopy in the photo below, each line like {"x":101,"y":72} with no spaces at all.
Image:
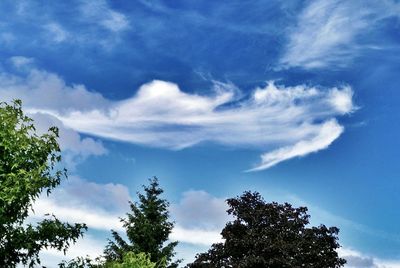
{"x":147,"y":228}
{"x":129,"y":260}
{"x":132,"y":260}
{"x":271,"y":235}
{"x":29,"y":166}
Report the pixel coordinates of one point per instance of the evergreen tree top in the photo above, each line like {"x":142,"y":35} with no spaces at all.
{"x":147,"y":227}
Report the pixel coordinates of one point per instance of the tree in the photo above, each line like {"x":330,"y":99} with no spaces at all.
{"x":132,"y":260}
{"x":129,"y":260}
{"x":147,"y":228}
{"x":29,"y":165}
{"x":271,"y":235}
{"x":81,"y":262}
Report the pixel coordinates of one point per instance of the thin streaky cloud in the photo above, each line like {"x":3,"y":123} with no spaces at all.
{"x":101,"y":13}
{"x":329,"y":132}
{"x":322,"y":215}
{"x":56,"y":32}
{"x":327,"y":32}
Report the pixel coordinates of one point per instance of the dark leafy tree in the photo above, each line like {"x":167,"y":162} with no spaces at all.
{"x":28,"y":167}
{"x":271,"y":235}
{"x":147,"y":228}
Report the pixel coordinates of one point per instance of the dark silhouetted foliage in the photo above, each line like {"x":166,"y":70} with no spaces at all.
{"x":271,"y":235}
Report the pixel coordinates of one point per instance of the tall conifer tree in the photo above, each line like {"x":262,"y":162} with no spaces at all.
{"x":147,"y":228}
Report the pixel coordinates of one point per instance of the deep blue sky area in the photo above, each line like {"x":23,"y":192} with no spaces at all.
{"x":298,"y":100}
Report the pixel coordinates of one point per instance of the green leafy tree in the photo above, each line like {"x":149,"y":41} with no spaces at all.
{"x":81,"y":262}
{"x":28,"y":167}
{"x":147,"y":228}
{"x":129,"y":260}
{"x":135,"y":260}
{"x":271,"y":235}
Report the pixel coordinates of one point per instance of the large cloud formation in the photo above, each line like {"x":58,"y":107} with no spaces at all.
{"x":284,"y":121}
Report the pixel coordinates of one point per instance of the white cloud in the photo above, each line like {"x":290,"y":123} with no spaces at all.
{"x":356,"y":259}
{"x":86,"y":246}
{"x":274,"y":118}
{"x":99,"y":12}
{"x":94,"y":218}
{"x":56,"y":33}
{"x":329,"y":132}
{"x":341,"y":99}
{"x":81,"y":201}
{"x":77,"y":200}
{"x":75,"y":149}
{"x":200,"y":218}
{"x":384,"y":263}
{"x":108,"y":197}
{"x":20,"y":61}
{"x":195,"y":236}
{"x":327,"y":30}
{"x":48,"y":90}
{"x":162,"y":115}
{"x":199,"y":209}
{"x":115,"y":21}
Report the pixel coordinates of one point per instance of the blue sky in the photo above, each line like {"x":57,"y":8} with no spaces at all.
{"x":295,"y":99}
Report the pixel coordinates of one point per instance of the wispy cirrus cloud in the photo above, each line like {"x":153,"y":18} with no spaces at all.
{"x":329,"y":132}
{"x":56,"y":32}
{"x":81,"y":23}
{"x":333,"y":32}
{"x":100,"y":12}
{"x":285,"y":121}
